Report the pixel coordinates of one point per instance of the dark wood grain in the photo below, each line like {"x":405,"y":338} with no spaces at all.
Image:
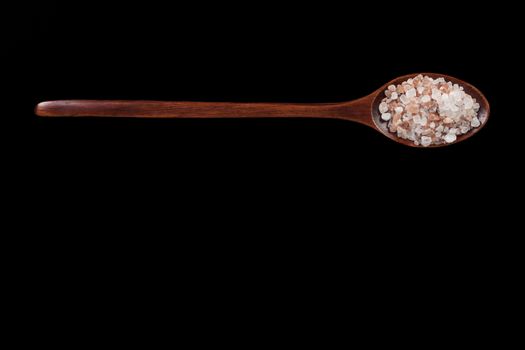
{"x":356,"y":110}
{"x":364,"y":110}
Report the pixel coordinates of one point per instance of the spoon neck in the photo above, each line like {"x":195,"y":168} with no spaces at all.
{"x":359,"y":110}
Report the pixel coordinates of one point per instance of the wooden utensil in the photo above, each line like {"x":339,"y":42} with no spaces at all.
{"x":364,"y":110}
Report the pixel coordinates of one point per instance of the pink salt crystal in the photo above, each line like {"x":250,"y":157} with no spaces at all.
{"x":396,"y":118}
{"x":405,"y":125}
{"x":433,"y":117}
{"x":412,"y":108}
{"x":448,"y":120}
{"x":392,"y":88}
{"x":392,"y":127}
{"x":445,"y":88}
{"x":392,"y":106}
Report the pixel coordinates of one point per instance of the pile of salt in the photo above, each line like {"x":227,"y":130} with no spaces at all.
{"x":429,"y":111}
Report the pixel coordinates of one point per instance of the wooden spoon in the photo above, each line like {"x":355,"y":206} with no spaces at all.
{"x":364,"y":110}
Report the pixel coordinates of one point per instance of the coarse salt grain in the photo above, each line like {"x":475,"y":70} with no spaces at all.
{"x":386,"y":116}
{"x":425,"y":99}
{"x":411,"y":93}
{"x":449,"y":138}
{"x":426,"y":141}
{"x":429,"y":111}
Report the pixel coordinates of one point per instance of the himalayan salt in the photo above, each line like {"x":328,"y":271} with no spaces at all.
{"x":449,"y":138}
{"x":386,"y":116}
{"x":429,"y":111}
{"x":426,"y":141}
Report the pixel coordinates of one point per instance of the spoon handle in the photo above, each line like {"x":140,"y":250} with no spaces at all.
{"x":159,"y":109}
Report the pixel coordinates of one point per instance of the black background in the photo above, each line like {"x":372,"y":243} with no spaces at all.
{"x":141,"y":196}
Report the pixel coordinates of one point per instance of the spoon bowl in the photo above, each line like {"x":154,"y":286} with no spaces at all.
{"x":382,"y":126}
{"x":364,"y":110}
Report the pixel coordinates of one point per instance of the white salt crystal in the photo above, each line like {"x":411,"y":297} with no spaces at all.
{"x":453,"y":131}
{"x":426,"y":141}
{"x":386,"y":116}
{"x":403,"y":99}
{"x":475,"y":122}
{"x":399,"y":109}
{"x":425,"y":99}
{"x":468,"y":102}
{"x":456,"y":95}
{"x":392,"y":88}
{"x":449,"y":138}
{"x":411,"y":93}
{"x":420,"y":90}
{"x":424,"y":121}
{"x":432,"y":125}
{"x":394,"y":96}
{"x":436,"y":94}
{"x":383,"y":107}
{"x":439,"y":128}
